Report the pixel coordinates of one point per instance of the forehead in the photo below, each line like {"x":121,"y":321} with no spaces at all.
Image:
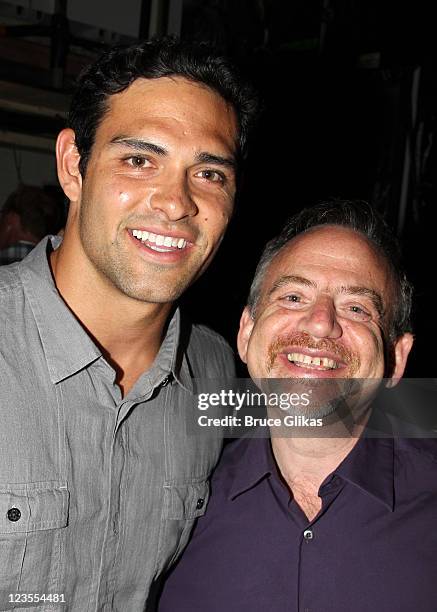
{"x":331,"y":255}
{"x":187,"y":108}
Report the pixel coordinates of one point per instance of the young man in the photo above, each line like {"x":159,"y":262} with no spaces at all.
{"x":100,"y":483}
{"x":335,"y":518}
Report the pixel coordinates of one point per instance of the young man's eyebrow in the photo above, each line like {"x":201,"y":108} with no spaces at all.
{"x":149,"y":147}
{"x":219,"y":160}
{"x":289,"y":279}
{"x":373,"y":295}
{"x":139,"y":145}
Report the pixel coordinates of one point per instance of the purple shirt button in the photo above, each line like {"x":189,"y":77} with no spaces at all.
{"x":308,"y":534}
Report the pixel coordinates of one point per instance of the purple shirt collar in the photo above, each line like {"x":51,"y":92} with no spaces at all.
{"x":369,"y":466}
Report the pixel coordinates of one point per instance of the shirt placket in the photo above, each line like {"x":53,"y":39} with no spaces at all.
{"x":113,"y":543}
{"x":312,"y":545}
{"x":115,"y":553}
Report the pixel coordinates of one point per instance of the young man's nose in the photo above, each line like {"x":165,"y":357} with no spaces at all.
{"x":173,"y":198}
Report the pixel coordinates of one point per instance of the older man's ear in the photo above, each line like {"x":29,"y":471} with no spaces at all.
{"x":246,"y":326}
{"x":403,"y":347}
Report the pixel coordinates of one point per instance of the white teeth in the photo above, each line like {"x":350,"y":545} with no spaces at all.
{"x":329,"y":363}
{"x":156,"y":248}
{"x":299,"y":358}
{"x":159,"y":239}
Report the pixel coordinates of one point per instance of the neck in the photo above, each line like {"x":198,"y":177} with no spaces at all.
{"x":310,"y":460}
{"x":305,"y":462}
{"x":304,"y":465}
{"x":129,"y":332}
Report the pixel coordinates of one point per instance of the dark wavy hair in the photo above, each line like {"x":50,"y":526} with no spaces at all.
{"x":116,"y":69}
{"x":360,"y":217}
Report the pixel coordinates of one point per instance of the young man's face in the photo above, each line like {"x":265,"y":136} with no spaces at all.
{"x":321,"y":312}
{"x":159,"y":187}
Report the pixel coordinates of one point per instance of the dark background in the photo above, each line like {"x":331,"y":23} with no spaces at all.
{"x":349,"y":95}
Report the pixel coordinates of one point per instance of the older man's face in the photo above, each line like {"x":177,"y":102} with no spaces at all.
{"x":321,"y":311}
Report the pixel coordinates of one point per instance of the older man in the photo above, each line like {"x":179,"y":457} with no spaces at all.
{"x":320,"y":522}
{"x":99,"y":482}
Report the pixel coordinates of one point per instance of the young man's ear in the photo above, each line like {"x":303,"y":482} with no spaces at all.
{"x":402,"y":349}
{"x":67,"y":157}
{"x":246,"y":326}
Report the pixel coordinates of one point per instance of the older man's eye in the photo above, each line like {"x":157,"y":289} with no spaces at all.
{"x":358,"y":310}
{"x":291,"y":300}
{"x":359,"y":313}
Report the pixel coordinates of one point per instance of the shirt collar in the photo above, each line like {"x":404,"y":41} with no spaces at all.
{"x":67,"y":347}
{"x":369,"y":466}
{"x":171,"y":358}
{"x":253,"y":463}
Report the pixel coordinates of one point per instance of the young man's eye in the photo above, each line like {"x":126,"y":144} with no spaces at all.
{"x":212,"y":175}
{"x":137,"y":161}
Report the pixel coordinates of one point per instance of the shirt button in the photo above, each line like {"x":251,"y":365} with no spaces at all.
{"x":14,"y":514}
{"x":200,"y":503}
{"x":308,"y":534}
{"x":166,"y":381}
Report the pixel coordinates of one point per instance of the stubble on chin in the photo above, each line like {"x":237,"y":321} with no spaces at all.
{"x":139,"y":280}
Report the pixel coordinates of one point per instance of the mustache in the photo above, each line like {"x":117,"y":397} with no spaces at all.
{"x":304,"y":340}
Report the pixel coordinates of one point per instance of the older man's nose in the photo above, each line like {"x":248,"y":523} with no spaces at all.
{"x":320,"y":320}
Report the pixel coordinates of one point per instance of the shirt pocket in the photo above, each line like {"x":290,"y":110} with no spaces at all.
{"x":183,"y":504}
{"x":32,"y":518}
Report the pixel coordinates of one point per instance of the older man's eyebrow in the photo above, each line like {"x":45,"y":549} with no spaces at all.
{"x":138,"y":144}
{"x":290,"y":279}
{"x":373,"y":295}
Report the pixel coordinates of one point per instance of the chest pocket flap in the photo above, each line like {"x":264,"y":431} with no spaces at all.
{"x":183,"y":503}
{"x":33,"y":507}
{"x":186,"y":501}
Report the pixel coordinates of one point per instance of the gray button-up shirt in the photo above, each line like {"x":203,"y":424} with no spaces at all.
{"x":107,"y":488}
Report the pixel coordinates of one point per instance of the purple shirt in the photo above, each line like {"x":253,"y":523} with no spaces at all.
{"x":371,"y":548}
